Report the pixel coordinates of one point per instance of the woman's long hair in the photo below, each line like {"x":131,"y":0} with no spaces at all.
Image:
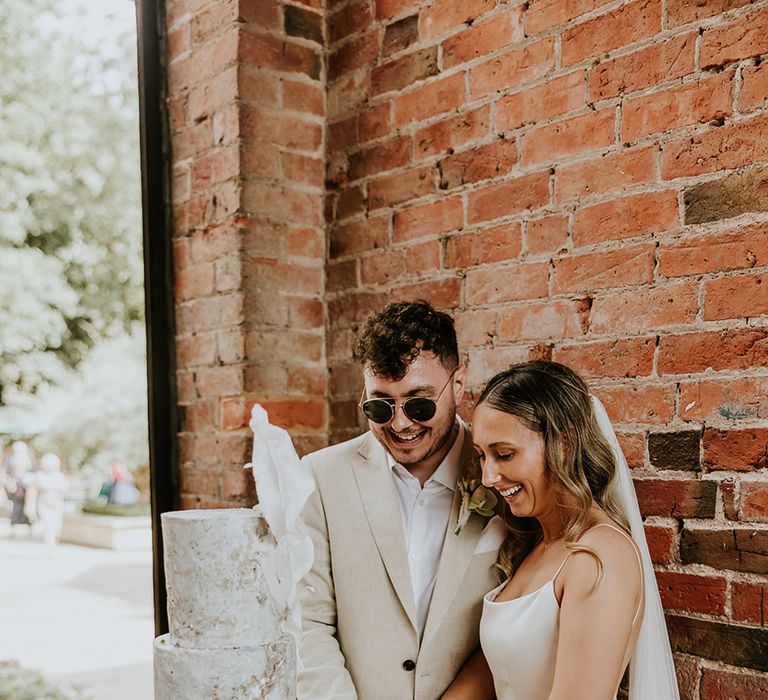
{"x":553,"y":401}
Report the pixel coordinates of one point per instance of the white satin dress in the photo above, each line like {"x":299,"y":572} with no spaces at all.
{"x":519,"y":639}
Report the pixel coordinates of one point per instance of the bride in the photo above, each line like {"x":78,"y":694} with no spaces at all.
{"x":580,"y":600}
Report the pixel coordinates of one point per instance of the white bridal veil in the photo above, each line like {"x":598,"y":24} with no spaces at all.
{"x":651,"y":670}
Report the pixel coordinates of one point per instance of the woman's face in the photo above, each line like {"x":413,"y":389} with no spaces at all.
{"x":513,"y":462}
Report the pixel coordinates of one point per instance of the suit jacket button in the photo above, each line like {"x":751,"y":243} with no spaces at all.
{"x":409,"y":664}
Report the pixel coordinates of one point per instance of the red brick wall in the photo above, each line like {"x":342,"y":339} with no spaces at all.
{"x":247,"y":108}
{"x":585,"y":181}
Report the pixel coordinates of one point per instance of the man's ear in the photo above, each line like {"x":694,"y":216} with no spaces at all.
{"x":459,"y":383}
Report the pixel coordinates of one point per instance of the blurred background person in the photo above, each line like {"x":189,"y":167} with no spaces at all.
{"x":50,"y":486}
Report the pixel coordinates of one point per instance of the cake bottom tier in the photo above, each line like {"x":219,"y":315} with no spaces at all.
{"x":264,"y":672}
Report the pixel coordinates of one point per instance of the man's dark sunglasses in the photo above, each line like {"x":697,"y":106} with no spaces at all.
{"x":416,"y":408}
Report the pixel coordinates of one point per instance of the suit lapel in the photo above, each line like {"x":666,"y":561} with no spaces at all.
{"x":456,"y":555}
{"x":382,"y":509}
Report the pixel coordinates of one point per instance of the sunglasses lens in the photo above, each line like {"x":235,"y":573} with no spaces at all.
{"x":377,"y":410}
{"x":419,"y":409}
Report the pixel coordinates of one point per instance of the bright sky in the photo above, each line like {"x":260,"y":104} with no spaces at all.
{"x":97,"y":21}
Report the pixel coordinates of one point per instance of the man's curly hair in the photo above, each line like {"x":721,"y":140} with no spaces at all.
{"x":393,"y":338}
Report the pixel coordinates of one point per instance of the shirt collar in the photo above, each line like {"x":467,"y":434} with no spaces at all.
{"x":447,"y":472}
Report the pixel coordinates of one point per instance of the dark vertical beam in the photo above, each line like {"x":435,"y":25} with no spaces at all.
{"x":158,"y":283}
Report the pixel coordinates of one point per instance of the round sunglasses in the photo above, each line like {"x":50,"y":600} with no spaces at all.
{"x":416,"y":408}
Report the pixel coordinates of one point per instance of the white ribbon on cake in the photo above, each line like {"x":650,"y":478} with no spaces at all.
{"x":283,"y":485}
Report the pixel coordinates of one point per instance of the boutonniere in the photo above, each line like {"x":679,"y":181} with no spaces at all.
{"x":475,"y":498}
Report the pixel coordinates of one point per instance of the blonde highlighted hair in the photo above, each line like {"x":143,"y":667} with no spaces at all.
{"x":553,"y":401}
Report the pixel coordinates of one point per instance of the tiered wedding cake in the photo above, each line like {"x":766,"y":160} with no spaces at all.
{"x":225,"y":639}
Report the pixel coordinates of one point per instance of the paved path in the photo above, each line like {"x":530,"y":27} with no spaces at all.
{"x":83,"y":616}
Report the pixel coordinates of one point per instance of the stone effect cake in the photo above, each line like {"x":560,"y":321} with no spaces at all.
{"x":225,"y":640}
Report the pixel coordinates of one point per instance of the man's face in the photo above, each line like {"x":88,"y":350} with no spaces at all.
{"x":411,"y":442}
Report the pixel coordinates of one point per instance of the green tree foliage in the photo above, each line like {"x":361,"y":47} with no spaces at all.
{"x":70,"y":240}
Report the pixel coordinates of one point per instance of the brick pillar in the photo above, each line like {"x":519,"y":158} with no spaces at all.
{"x":247,"y":120}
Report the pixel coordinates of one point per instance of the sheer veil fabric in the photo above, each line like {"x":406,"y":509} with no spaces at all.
{"x":651,"y":669}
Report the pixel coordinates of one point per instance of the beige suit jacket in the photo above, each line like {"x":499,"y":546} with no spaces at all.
{"x":360,"y":634}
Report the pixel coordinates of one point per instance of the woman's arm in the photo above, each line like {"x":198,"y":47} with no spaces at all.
{"x":474,"y":681}
{"x":596,"y":622}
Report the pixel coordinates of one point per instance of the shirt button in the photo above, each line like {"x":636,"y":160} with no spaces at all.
{"x":414,"y":557}
{"x":421,"y":502}
{"x":409,"y":664}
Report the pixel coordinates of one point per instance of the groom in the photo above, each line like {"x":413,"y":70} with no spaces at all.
{"x":394,"y":596}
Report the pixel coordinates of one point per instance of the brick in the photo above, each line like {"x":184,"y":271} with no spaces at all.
{"x":491,"y":160}
{"x":638,"y":403}
{"x":620,"y":27}
{"x":400,"y":35}
{"x":349,"y":20}
{"x":351,"y":201}
{"x":732,"y":195}
{"x":195,"y":350}
{"x":303,"y":169}
{"x":678,"y":450}
{"x":266,"y":380}
{"x":631,"y":357}
{"x":195,"y":479}
{"x":580,"y":134}
{"x":552,"y":319}
{"x":715,"y":251}
{"x":441,"y":293}
{"x":482,"y":38}
{"x":704,"y":101}
{"x":754,"y":87}
{"x":676,"y":498}
{"x":342,"y":134}
{"x":511,"y":197}
{"x":732,"y":399}
{"x":286,"y":346}
{"x":274,"y":126}
{"x":745,"y":37}
{"x":729,"y":497}
{"x":282,"y":203}
{"x":754,"y":500}
{"x":354,"y":307}
{"x":692,"y":593}
{"x":684,"y":11}
{"x":341,"y":275}
{"x":375,"y":121}
{"x":423,"y":258}
{"x":444,"y":15}
{"x":303,"y":23}
{"x":452,"y":133}
{"x":475,"y":328}
{"x":305,"y":242}
{"x":356,"y":53}
{"x":554,"y":98}
{"x":486,"y":362}
{"x":348,"y":94}
{"x":739,"y":549}
{"x":429,"y":219}
{"x":544,"y":14}
{"x":265,"y":276}
{"x":672,"y":58}
{"x":193,"y":282}
{"x":722,"y":148}
{"x":603,"y":269}
{"x":548,"y":234}
{"x":219,"y":381}
{"x":386,"y":9}
{"x":434,"y":98}
{"x":197,"y":417}
{"x":739,"y":450}
{"x":513,"y":283}
{"x":688,"y":671}
{"x":644,"y":309}
{"x":750,"y":604}
{"x":740,"y":296}
{"x":717,"y":684}
{"x":514,"y":67}
{"x":628,"y":217}
{"x":737,"y":348}
{"x":358,"y":236}
{"x":404,"y":71}
{"x":611,"y":172}
{"x":267,"y":51}
{"x":385,"y":156}
{"x":303,"y":97}
{"x":661,"y":543}
{"x":633,"y":447}
{"x":400,"y":187}
{"x":490,"y":245}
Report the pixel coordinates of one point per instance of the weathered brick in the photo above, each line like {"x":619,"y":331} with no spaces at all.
{"x":429,"y":219}
{"x":684,"y":11}
{"x":662,"y":543}
{"x":386,"y":9}
{"x":510,"y":197}
{"x":482,"y":38}
{"x":359,"y":236}
{"x":638,"y":402}
{"x":740,"y":296}
{"x":553,"y":319}
{"x":754,"y":500}
{"x":743,"y":38}
{"x":303,"y":23}
{"x":400,"y":35}
{"x":489,"y":245}
{"x":630,"y":357}
{"x":631,"y":216}
{"x":740,"y":450}
{"x":436,"y":97}
{"x":513,"y":67}
{"x":541,"y":15}
{"x":692,"y":593}
{"x":348,"y":20}
{"x":452,"y":133}
{"x":580,"y":134}
{"x":732,"y":399}
{"x":754,"y":87}
{"x":750,"y":603}
{"x":341,"y":275}
{"x":491,"y":160}
{"x":474,"y":327}
{"x":385,"y":156}
{"x":732,"y":195}
{"x":703,"y":101}
{"x":513,"y":283}
{"x":441,"y":293}
{"x":672,"y":58}
{"x":717,"y":684}
{"x":444,"y":15}
{"x":676,"y":498}
{"x":548,"y":234}
{"x":400,"y":187}
{"x":620,"y":27}
{"x":604,"y":269}
{"x":267,"y":51}
{"x":737,"y":348}
{"x":356,"y":53}
{"x":739,"y":549}
{"x":678,"y":450}
{"x":375,"y":121}
{"x":643,"y":309}
{"x":404,"y":71}
{"x":303,"y":97}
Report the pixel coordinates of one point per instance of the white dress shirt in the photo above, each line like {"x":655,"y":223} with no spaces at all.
{"x":426,"y":512}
